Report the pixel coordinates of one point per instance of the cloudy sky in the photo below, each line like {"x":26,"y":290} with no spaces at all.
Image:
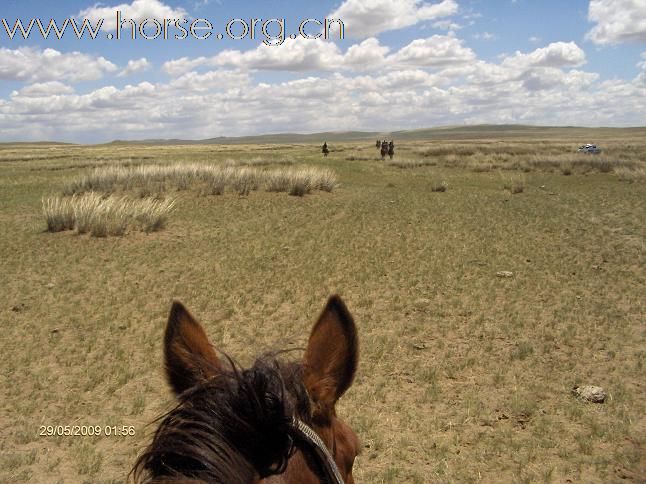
{"x":402,"y":64}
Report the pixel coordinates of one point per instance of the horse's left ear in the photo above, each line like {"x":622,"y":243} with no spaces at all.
{"x":188,"y":355}
{"x":331,"y":357}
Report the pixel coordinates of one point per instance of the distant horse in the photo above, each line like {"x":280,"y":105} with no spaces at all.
{"x":391,"y":149}
{"x":324,"y":149}
{"x":274,"y":422}
{"x":378,"y":144}
{"x":384,"y":149}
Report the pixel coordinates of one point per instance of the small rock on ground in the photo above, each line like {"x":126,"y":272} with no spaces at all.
{"x":505,"y":274}
{"x":591,"y":393}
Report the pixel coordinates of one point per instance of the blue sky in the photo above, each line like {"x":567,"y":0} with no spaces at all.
{"x":404,"y":64}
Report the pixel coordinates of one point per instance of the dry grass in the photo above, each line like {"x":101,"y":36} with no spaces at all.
{"x":209,"y":179}
{"x":439,"y":186}
{"x":566,"y":168}
{"x":59,"y":214}
{"x":301,"y":181}
{"x":463,"y":376}
{"x":101,"y":216}
{"x":631,"y":174}
{"x":521,"y":155}
{"x":515,"y":183}
{"x":411,"y":163}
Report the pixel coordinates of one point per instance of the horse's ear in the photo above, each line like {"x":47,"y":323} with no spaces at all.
{"x":188,"y":355}
{"x":331,"y":356}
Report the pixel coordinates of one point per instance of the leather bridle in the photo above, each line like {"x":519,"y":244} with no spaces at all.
{"x":304,"y":434}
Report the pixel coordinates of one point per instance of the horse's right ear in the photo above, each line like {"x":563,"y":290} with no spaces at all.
{"x":331,"y":357}
{"x":189,"y":357}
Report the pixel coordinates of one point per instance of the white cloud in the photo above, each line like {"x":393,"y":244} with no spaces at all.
{"x":406,"y":79}
{"x":138,"y":10}
{"x":446,"y":25}
{"x":642,"y":64}
{"x":484,"y":36}
{"x":135,"y":66}
{"x":367,"y":54}
{"x":641,"y":77}
{"x":210,"y":81}
{"x":435,"y":51}
{"x":556,"y":54}
{"x":430,"y":81}
{"x":177,"y":67}
{"x":366,"y":18}
{"x":293,"y":55}
{"x":44,"y":89}
{"x":34,"y":65}
{"x":303,"y":55}
{"x":545,"y":78}
{"x":230,"y":102}
{"x":617,"y":21}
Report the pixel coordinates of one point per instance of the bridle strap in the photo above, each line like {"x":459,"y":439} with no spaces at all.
{"x":305,"y":433}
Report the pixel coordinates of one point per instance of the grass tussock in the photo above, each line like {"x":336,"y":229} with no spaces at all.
{"x":566,"y":168}
{"x":411,"y":163}
{"x":483,"y":156}
{"x":631,"y":175}
{"x":258,"y":162}
{"x":513,"y":183}
{"x":149,"y":180}
{"x":439,"y":186}
{"x":59,"y":214}
{"x":299,"y":182}
{"x":101,"y":216}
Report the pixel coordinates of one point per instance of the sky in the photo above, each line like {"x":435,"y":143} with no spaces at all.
{"x":401,"y":64}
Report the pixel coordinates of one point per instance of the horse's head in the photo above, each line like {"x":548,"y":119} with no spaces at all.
{"x":229,"y":416}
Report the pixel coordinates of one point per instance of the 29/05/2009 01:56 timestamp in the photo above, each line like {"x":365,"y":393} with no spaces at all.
{"x":86,"y":430}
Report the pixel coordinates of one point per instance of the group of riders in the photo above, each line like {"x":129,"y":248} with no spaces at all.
{"x":385,"y":147}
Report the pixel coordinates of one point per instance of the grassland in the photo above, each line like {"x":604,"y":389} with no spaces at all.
{"x":464,"y":376}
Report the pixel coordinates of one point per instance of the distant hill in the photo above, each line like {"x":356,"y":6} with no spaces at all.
{"x":481,"y":131}
{"x":32,"y":143}
{"x":280,"y":138}
{"x":505,"y":131}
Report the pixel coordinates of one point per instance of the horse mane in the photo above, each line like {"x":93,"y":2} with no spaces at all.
{"x":230,"y":428}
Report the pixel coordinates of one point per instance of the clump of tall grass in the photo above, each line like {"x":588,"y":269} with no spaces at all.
{"x":630,"y":175}
{"x":152,"y":215}
{"x":304,"y":180}
{"x":299,"y":187}
{"x":515,"y":184}
{"x":411,"y":163}
{"x":210,"y":179}
{"x":480,"y":167}
{"x":321,"y":179}
{"x":101,"y":215}
{"x":277,"y":181}
{"x":566,"y":168}
{"x":59,"y":214}
{"x":483,"y":155}
{"x":259,"y":162}
{"x":439,"y":186}
{"x":300,"y":181}
{"x":245,"y":180}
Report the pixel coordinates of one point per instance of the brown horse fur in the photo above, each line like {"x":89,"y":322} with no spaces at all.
{"x":233,"y":425}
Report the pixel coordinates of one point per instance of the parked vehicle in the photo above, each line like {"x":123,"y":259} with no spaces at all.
{"x":588,"y":148}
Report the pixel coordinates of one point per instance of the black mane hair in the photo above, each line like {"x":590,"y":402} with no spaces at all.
{"x":231,"y":428}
